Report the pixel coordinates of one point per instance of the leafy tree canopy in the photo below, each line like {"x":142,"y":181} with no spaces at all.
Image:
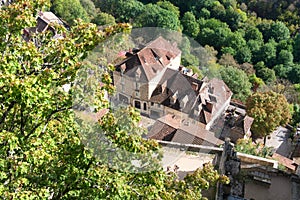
{"x":249,"y":147}
{"x":42,"y":151}
{"x":70,"y":10}
{"x":237,"y":81}
{"x":269,"y":110}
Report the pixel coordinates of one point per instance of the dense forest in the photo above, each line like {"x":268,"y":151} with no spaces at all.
{"x":255,"y":45}
{"x":44,"y":147}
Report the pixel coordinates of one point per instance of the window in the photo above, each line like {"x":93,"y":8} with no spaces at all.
{"x":152,"y":104}
{"x":123,"y":99}
{"x":145,"y":106}
{"x":137,"y":104}
{"x":137,"y":94}
{"x":137,"y":85}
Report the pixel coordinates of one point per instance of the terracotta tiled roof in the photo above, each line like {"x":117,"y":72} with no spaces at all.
{"x":160,"y":130}
{"x":284,"y":161}
{"x":188,"y":131}
{"x":152,"y":59}
{"x":296,"y":153}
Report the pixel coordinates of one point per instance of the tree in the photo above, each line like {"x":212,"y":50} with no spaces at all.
{"x":169,"y":6}
{"x":249,"y":147}
{"x":296,"y":114}
{"x":294,"y":73}
{"x":252,"y":33}
{"x":256,"y":82}
{"x":274,"y":30}
{"x":89,"y":7}
{"x":70,"y":10}
{"x":42,"y":151}
{"x":267,"y":53}
{"x":285,"y":57}
{"x":104,"y":19}
{"x":122,"y":10}
{"x":269,"y":110}
{"x":243,"y":54}
{"x":266,"y":74}
{"x":297,"y":48}
{"x":156,"y":16}
{"x":190,"y":25}
{"x":279,"y":31}
{"x":237,"y":81}
{"x":282,"y":71}
{"x":227,"y":60}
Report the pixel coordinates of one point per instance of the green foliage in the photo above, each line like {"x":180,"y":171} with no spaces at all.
{"x":282,"y":71}
{"x":249,"y":147}
{"x":122,"y":10}
{"x":243,"y":54}
{"x":224,"y":25}
{"x":156,"y":16}
{"x":237,"y":81}
{"x":294,"y":74}
{"x":267,"y":53}
{"x":279,"y":31}
{"x":256,"y":82}
{"x":296,"y":114}
{"x":43,"y":153}
{"x":104,"y":19}
{"x":89,"y":7}
{"x":269,"y":110}
{"x":285,"y":57}
{"x":297,"y":48}
{"x":253,"y":33}
{"x":214,"y":33}
{"x":167,"y":5}
{"x":196,"y":70}
{"x":266,"y":74}
{"x":190,"y":25}
{"x":69,"y":10}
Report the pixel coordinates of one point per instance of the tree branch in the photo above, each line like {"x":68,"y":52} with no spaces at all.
{"x":11,"y":105}
{"x":47,"y":120}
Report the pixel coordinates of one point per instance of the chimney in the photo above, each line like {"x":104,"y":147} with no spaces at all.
{"x":209,"y":106}
{"x":195,"y":86}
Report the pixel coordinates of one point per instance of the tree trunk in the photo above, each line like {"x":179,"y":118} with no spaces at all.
{"x":265,"y":140}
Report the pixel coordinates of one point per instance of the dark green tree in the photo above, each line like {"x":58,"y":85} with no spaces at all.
{"x":267,"y":53}
{"x":243,"y":54}
{"x":122,"y":10}
{"x":266,"y":74}
{"x":190,"y":25}
{"x":296,"y":47}
{"x":253,"y":33}
{"x":285,"y":57}
{"x":104,"y":19}
{"x":294,"y":74}
{"x":89,"y":7}
{"x":155,"y":16}
{"x":279,"y":31}
{"x":238,"y":82}
{"x":69,"y":10}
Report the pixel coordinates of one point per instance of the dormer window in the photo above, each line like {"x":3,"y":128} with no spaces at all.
{"x":138,"y":74}
{"x":173,"y":99}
